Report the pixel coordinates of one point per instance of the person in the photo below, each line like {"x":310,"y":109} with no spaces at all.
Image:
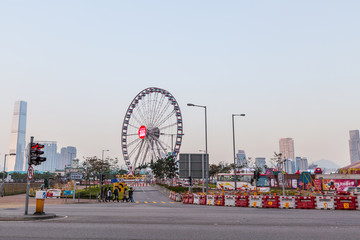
{"x":116,"y":194}
{"x":109,"y":194}
{"x":126,"y":195}
{"x":131,"y":194}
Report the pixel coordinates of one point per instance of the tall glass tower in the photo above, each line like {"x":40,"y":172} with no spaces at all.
{"x":17,"y":138}
{"x":354,"y":144}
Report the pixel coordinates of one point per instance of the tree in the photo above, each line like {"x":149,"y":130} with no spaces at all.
{"x":164,"y":168}
{"x":94,"y":166}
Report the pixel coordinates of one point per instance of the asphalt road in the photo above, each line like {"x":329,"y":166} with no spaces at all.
{"x":157,"y":217}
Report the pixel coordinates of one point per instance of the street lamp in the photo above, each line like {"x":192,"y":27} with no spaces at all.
{"x":3,"y":182}
{"x":102,"y":162}
{"x":235,"y":163}
{"x":206,"y":149}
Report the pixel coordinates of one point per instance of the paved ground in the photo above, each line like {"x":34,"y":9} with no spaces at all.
{"x":160,"y":218}
{"x":17,"y":201}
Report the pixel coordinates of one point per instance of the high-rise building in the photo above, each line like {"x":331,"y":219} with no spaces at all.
{"x":354,"y":144}
{"x":241,"y":159}
{"x":286,"y":147}
{"x":17,"y":139}
{"x":298,"y":163}
{"x":50,"y":152}
{"x":260,"y":162}
{"x":67,"y":154}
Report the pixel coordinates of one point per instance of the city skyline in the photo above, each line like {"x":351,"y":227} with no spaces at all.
{"x":291,"y":67}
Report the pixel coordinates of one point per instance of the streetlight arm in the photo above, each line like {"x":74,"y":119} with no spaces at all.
{"x":194,"y":105}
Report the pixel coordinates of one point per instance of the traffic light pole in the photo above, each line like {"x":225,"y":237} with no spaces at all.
{"x":28,"y":181}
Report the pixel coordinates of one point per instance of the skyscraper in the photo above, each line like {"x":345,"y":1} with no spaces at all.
{"x":241,"y":159}
{"x":17,"y":138}
{"x":260,"y":162}
{"x":354,"y":144}
{"x":50,"y":152}
{"x":287,"y":151}
{"x":67,"y":154}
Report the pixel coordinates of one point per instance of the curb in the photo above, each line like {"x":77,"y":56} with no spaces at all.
{"x":27,"y":217}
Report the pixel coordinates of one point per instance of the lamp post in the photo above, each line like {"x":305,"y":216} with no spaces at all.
{"x":102,"y":161}
{"x":206,"y":149}
{"x":234,"y":115}
{"x":3,"y":182}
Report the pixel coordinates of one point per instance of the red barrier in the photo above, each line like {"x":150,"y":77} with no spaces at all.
{"x":271,"y":202}
{"x":202,"y":200}
{"x":345,"y":203}
{"x":220,"y":200}
{"x":186,"y":199}
{"x":242,"y":201}
{"x":305,"y":202}
{"x":191,"y":199}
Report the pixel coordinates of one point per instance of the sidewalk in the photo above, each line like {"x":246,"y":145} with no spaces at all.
{"x":12,"y":208}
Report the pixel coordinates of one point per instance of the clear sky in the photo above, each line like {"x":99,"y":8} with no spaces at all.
{"x":291,"y":66}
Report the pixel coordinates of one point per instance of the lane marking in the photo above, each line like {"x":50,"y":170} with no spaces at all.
{"x":137,"y":202}
{"x":163,"y":202}
{"x":145,"y":202}
{"x":154,"y":202}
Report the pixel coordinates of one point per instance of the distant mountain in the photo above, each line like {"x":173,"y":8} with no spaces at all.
{"x":323,"y":163}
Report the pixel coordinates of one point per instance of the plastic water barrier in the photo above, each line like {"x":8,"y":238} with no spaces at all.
{"x":140,"y":184}
{"x":196,"y":199}
{"x":271,"y":202}
{"x":202,"y":199}
{"x":230,"y":200}
{"x":186,"y":199}
{"x":325,"y":202}
{"x":255,"y":201}
{"x":358,"y":207}
{"x":305,"y":202}
{"x":211,"y":200}
{"x":287,"y":202}
{"x":346,"y":203}
{"x":177,"y":197}
{"x":219,"y":200}
{"x":242,"y":201}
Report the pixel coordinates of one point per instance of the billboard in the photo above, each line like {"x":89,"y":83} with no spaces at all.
{"x":191,"y":164}
{"x":340,"y":184}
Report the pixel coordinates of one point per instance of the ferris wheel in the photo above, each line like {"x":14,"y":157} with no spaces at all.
{"x":152,"y":128}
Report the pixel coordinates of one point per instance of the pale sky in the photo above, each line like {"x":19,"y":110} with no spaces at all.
{"x":291,"y":66}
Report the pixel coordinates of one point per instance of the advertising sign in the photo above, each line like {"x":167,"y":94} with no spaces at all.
{"x":340,"y":184}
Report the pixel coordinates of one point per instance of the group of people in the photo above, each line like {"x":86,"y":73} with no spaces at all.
{"x":107,"y":195}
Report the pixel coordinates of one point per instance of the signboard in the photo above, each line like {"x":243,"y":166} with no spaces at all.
{"x":142,"y":132}
{"x":192,"y":165}
{"x":68,"y":192}
{"x":30,"y":173}
{"x":40,"y":195}
{"x":76,"y":176}
{"x":340,"y":184}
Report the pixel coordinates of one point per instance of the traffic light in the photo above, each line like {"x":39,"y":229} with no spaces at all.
{"x":36,"y":150}
{"x":256,"y":175}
